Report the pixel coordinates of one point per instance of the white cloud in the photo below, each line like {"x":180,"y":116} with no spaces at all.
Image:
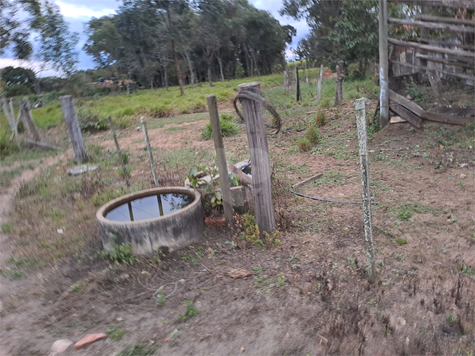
{"x":33,"y":65}
{"x":70,"y":10}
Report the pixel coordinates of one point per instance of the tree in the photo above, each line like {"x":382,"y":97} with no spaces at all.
{"x":18,"y":76}
{"x":57,"y":43}
{"x":345,"y":30}
{"x":17,"y":19}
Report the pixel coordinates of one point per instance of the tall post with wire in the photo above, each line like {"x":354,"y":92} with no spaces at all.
{"x":261,"y":171}
{"x":149,"y":150}
{"x":221,"y":157}
{"x":119,"y":152}
{"x":363,"y":151}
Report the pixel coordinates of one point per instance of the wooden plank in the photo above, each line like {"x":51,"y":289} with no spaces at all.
{"x":221,"y":157}
{"x":453,"y":52}
{"x":445,"y":61}
{"x":459,"y":75}
{"x":432,"y":25}
{"x":42,"y":144}
{"x":451,"y":20}
{"x":427,"y":115}
{"x":243,"y":178}
{"x":448,"y":119}
{"x":407,"y":115}
{"x":383,"y":64}
{"x":442,"y":43}
{"x":259,"y":149}
{"x":454,"y":4}
{"x":308,"y":180}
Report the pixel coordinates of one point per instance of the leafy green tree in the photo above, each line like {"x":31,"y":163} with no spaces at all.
{"x":18,"y":76}
{"x":345,"y":30}
{"x":57,"y":42}
{"x":17,"y":19}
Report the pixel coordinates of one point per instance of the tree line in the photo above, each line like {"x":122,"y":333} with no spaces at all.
{"x":165,"y":42}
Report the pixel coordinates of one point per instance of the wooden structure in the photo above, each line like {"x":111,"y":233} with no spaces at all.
{"x":261,"y":170}
{"x":449,"y":54}
{"x":221,"y":157}
{"x":74,"y":131}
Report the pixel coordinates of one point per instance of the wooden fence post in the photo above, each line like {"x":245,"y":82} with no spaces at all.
{"x":383,"y":64}
{"x":319,"y":85}
{"x":119,"y":152}
{"x":362,"y":141}
{"x":27,"y":119}
{"x":287,"y":82}
{"x":74,"y":131}
{"x":261,"y":172}
{"x":339,"y":84}
{"x":221,"y":156}
{"x":298,"y":82}
{"x":11,"y":120}
{"x":149,"y":150}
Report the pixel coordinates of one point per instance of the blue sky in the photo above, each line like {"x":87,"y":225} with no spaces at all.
{"x":77,"y":13}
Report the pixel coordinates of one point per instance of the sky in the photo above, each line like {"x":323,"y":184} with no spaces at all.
{"x":77,"y":13}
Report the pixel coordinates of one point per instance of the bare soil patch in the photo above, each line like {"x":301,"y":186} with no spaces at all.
{"x":307,"y":296}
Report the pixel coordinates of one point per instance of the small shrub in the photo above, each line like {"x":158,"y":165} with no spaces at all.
{"x":91,"y":121}
{"x":401,"y":241}
{"x":160,"y":300}
{"x":7,"y":147}
{"x":160,"y":111}
{"x":304,"y":145}
{"x":226,"y":117}
{"x":122,"y":173}
{"x":7,"y":227}
{"x":228,"y":128}
{"x":325,"y":103}
{"x":13,"y":274}
{"x":121,"y":254}
{"x":190,"y":312}
{"x":312,"y":135}
{"x":320,"y":119}
{"x":115,"y":332}
{"x":139,"y":350}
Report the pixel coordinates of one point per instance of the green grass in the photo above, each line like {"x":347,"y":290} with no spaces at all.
{"x":139,"y":350}
{"x":228,"y":128}
{"x":190,"y":312}
{"x":7,"y":227}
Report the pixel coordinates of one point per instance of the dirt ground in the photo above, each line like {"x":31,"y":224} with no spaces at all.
{"x":308,"y":296}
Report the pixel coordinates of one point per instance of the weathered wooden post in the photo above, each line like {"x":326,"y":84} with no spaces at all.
{"x":261,"y":172}
{"x":383,"y":64}
{"x":221,"y":156}
{"x":319,"y":85}
{"x":149,"y":150}
{"x":362,"y":141}
{"x":11,"y":120}
{"x":74,"y":131}
{"x":27,"y":119}
{"x":119,"y":152}
{"x":287,"y":82}
{"x":339,"y":84}
{"x":298,"y":82}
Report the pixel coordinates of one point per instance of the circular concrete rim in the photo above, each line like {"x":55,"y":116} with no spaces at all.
{"x":103,"y":210}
